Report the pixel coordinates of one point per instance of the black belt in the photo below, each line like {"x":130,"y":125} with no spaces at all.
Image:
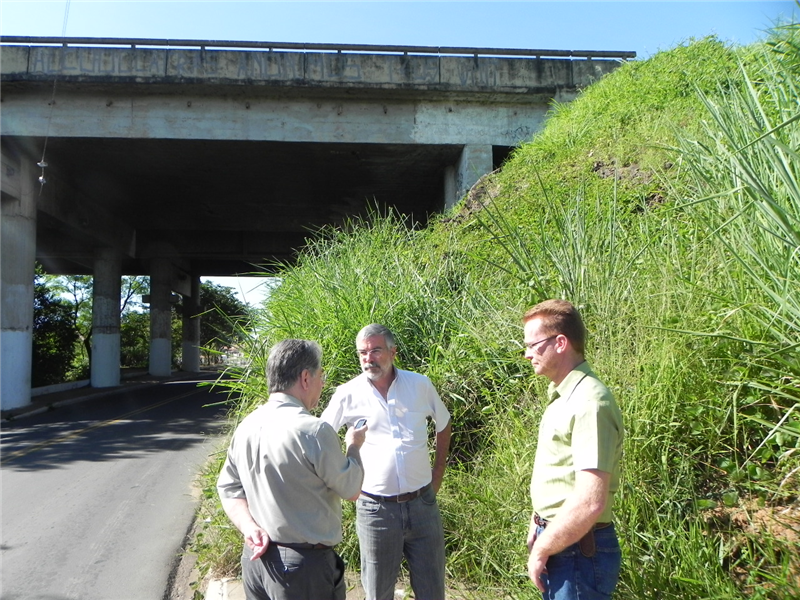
{"x":543,"y":522}
{"x":400,"y":497}
{"x":302,"y":546}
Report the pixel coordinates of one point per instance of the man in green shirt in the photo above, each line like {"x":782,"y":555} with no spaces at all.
{"x":574,"y":551}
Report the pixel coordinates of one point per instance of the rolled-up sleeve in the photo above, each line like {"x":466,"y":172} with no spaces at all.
{"x":228,"y":483}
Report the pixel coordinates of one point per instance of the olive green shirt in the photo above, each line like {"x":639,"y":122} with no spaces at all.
{"x":581,"y":429}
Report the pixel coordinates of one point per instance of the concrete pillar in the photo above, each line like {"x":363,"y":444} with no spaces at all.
{"x":191,"y":329}
{"x":474,"y":163}
{"x":160,"y":317}
{"x":106,"y":319}
{"x":450,"y":195}
{"x":17,"y":265}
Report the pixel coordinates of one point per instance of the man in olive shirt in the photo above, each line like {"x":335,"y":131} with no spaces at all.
{"x":283,"y":482}
{"x":574,"y":551}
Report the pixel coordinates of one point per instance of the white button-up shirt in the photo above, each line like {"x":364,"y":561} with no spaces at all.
{"x":395,"y":453}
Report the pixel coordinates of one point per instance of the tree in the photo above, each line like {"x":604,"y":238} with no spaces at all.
{"x":223,"y":320}
{"x":54,"y":335}
{"x":134,"y":339}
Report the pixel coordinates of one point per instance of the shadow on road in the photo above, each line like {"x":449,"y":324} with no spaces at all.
{"x":128,"y":423}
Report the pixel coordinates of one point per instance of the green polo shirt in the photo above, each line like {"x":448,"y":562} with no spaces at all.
{"x":581,"y":429}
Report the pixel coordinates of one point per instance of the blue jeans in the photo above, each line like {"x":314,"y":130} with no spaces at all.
{"x":293,"y":574}
{"x":387,"y":531}
{"x":572,"y":576}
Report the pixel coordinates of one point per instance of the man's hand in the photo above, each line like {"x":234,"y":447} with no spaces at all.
{"x":355,"y":437}
{"x":255,"y":537}
{"x":576,"y":516}
{"x":257,"y":540}
{"x":537,"y":565}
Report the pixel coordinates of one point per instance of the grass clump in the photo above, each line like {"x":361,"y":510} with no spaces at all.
{"x":664,"y":203}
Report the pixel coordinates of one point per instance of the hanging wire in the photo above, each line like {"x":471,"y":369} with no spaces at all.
{"x":42,"y":164}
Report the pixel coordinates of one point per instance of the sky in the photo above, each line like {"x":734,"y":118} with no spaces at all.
{"x":250,"y":290}
{"x":642,"y":26}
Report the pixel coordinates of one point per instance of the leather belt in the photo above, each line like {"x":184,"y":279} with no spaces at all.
{"x":399,"y":498}
{"x":543,"y":522}
{"x":302,"y":546}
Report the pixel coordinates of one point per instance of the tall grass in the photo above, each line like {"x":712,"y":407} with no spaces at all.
{"x":747,"y":179}
{"x":684,"y":263}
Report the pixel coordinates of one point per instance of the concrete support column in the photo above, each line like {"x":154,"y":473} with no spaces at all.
{"x":106,"y":319}
{"x":450,"y":194}
{"x":17,"y":265}
{"x":160,"y":317}
{"x":474,"y":163}
{"x":191,"y":329}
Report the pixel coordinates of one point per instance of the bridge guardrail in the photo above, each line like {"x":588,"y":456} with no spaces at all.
{"x":313,"y":47}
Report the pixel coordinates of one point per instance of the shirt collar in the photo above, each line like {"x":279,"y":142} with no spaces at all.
{"x":279,"y":398}
{"x":572,"y":379}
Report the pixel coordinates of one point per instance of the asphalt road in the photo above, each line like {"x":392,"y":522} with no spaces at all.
{"x":97,"y":497}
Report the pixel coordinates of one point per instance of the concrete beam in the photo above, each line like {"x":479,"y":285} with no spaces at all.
{"x":130,"y":112}
{"x":89,"y":222}
{"x":9,"y":174}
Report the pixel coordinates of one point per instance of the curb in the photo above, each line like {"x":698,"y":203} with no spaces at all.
{"x":225,"y":589}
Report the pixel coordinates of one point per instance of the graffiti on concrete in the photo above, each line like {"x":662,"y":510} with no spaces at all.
{"x":219,"y":64}
{"x":93,"y":61}
{"x":521,"y":133}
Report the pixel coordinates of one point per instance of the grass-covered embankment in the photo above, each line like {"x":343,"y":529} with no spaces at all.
{"x":665,"y":202}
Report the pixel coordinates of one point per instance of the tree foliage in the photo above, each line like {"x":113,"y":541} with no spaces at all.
{"x":63,"y":328}
{"x":223,"y":320}
{"x":54,"y":335}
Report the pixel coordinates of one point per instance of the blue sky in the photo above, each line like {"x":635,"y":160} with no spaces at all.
{"x":644,"y":27}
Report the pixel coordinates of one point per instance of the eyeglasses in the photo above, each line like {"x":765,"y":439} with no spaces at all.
{"x":376,"y":351}
{"x":323,"y":376}
{"x":533,"y":345}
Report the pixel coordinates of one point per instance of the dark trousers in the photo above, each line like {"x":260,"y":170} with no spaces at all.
{"x":293,"y":574}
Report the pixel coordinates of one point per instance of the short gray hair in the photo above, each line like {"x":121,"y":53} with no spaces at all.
{"x":375,"y":329}
{"x":287,"y":361}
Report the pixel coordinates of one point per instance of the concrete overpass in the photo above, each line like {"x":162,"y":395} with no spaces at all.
{"x":184,"y":158}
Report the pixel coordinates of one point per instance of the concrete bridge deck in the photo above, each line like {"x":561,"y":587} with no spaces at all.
{"x":184,"y":158}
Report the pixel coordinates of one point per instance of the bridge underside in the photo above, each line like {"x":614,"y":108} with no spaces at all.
{"x":225,"y":207}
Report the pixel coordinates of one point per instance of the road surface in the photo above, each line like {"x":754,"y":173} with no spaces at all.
{"x":97,"y":497}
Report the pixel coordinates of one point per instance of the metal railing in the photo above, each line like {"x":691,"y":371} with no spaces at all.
{"x":311,"y":47}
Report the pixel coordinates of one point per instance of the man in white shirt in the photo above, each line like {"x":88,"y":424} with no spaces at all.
{"x":396,"y":513}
